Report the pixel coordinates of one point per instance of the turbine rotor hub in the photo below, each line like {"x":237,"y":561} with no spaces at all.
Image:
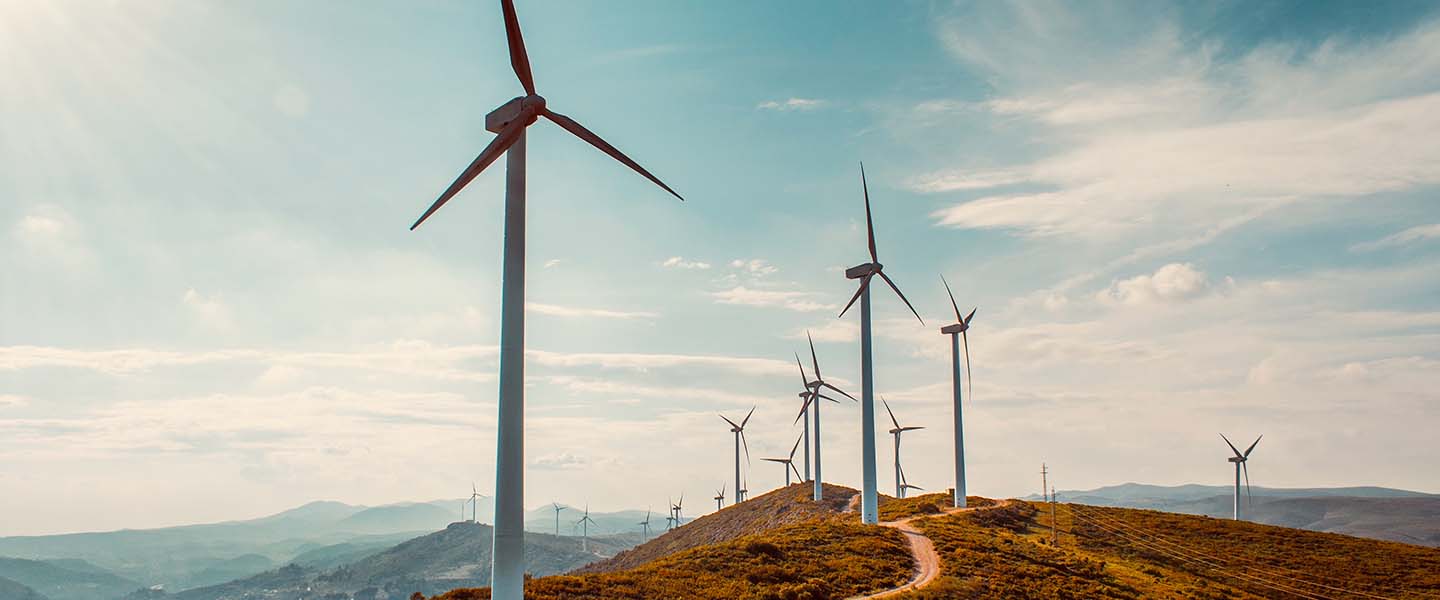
{"x":863,"y":270}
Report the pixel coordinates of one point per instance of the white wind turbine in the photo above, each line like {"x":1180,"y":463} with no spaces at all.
{"x":670,"y":520}
{"x":957,"y":332}
{"x":1240,"y":459}
{"x":739,"y":431}
{"x":584,"y":524}
{"x":509,"y":122}
{"x":869,"y":495}
{"x":645,"y":525}
{"x":814,"y":392}
{"x":788,"y":463}
{"x":719,"y":497}
{"x":900,"y":485}
{"x":473,"y":495}
{"x":558,"y":508}
{"x":679,"y":510}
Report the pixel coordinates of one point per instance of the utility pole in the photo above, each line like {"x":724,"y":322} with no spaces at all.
{"x":1044,"y":482}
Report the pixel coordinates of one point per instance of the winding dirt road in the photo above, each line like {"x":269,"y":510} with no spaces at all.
{"x":927,"y":561}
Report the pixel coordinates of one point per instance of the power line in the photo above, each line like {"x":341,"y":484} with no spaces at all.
{"x":1136,"y":539}
{"x":1273,"y":573}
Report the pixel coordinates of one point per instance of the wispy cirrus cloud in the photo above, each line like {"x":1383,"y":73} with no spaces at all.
{"x":679,"y":262}
{"x":787,"y":299}
{"x":556,"y":310}
{"x":1418,"y":233}
{"x":791,"y":104}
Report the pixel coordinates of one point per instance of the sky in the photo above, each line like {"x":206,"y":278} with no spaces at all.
{"x":1176,"y":220}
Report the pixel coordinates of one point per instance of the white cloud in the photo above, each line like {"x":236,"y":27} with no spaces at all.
{"x":12,"y":400}
{"x":1174,"y":282}
{"x":957,"y":180}
{"x":552,"y":263}
{"x":834,"y":330}
{"x":40,"y":226}
{"x":210,"y":310}
{"x":1413,"y":234}
{"x":791,"y":104}
{"x":791,"y":300}
{"x":563,"y":461}
{"x":678,"y":262}
{"x":758,"y":267}
{"x":594,"y":313}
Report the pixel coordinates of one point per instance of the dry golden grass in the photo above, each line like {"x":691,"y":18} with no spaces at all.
{"x":828,"y":557}
{"x":894,"y":509}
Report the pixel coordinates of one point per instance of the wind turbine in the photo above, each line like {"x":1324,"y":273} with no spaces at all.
{"x":899,"y":474}
{"x":558,"y":508}
{"x":1240,"y":464}
{"x":957,"y":335}
{"x":584,"y":524}
{"x":869,"y":496}
{"x":679,"y":510}
{"x":509,"y":122}
{"x":473,"y":495}
{"x":720,"y":497}
{"x":788,"y":463}
{"x":670,"y":520}
{"x":739,"y":431}
{"x":804,"y":411}
{"x":816,"y":389}
{"x":645,"y":525}
{"x":902,"y":485}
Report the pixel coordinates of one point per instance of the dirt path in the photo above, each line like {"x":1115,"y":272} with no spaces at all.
{"x":927,"y":561}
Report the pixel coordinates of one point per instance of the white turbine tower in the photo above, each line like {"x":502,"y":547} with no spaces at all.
{"x":473,"y":495}
{"x":1240,"y":459}
{"x":509,"y":122}
{"x":788,"y":463}
{"x":900,"y":485}
{"x":558,"y":508}
{"x":812,"y":394}
{"x":739,"y":431}
{"x":957,"y":332}
{"x":869,"y":495}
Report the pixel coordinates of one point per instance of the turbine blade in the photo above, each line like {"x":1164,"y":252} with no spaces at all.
{"x":969,"y":381}
{"x":803,"y":407}
{"x":913,"y":428}
{"x":744,"y":443}
{"x":1252,"y":446}
{"x":952,"y":299}
{"x":795,"y":447}
{"x":778,"y":460}
{"x":805,"y":383}
{"x":827,"y":397}
{"x":814,"y":360}
{"x":863,"y":282}
{"x":842,"y":392}
{"x":497,"y":146}
{"x":732,"y":423}
{"x":1232,"y":446}
{"x":902,"y":295}
{"x":747,"y":417}
{"x":796,"y":471}
{"x":581,"y":132}
{"x":869,"y":223}
{"x":892,"y":413}
{"x":519,"y":60}
{"x":971,"y":316}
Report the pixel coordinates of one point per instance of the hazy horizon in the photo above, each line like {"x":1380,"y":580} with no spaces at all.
{"x":1176,"y":219}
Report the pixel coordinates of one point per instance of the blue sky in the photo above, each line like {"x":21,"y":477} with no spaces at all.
{"x":1176,"y":219}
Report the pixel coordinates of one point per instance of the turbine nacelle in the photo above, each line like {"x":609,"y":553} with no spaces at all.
{"x":525,"y":108}
{"x":955,"y":328}
{"x":1236,"y":459}
{"x":865,"y":270}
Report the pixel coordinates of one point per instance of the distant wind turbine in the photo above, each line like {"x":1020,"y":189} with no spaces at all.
{"x":903,"y":485}
{"x":645,"y":525}
{"x":869,"y":495}
{"x":720,"y":497}
{"x":584,"y":524}
{"x":816,"y":390}
{"x":510,"y":122}
{"x":473,"y":495}
{"x":558,"y":508}
{"x":900,"y":485}
{"x":739,"y":431}
{"x":679,"y":510}
{"x":957,"y":332}
{"x":788,"y":463}
{"x":1240,"y":459}
{"x":670,"y":520}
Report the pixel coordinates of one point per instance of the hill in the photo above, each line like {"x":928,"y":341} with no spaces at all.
{"x":14,"y":590}
{"x":542,"y":520}
{"x":785,"y":506}
{"x":1003,"y":550}
{"x":457,"y":556}
{"x":65,"y":580}
{"x":1373,"y":512}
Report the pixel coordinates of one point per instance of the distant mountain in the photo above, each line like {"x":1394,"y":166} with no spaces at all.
{"x":198,"y":555}
{"x":457,"y":556}
{"x":65,"y":580}
{"x":542,"y":520}
{"x":1373,"y":512}
{"x":14,"y":590}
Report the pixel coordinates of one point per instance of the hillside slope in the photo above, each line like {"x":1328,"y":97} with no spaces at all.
{"x":779,"y":508}
{"x":65,"y":580}
{"x":14,"y":590}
